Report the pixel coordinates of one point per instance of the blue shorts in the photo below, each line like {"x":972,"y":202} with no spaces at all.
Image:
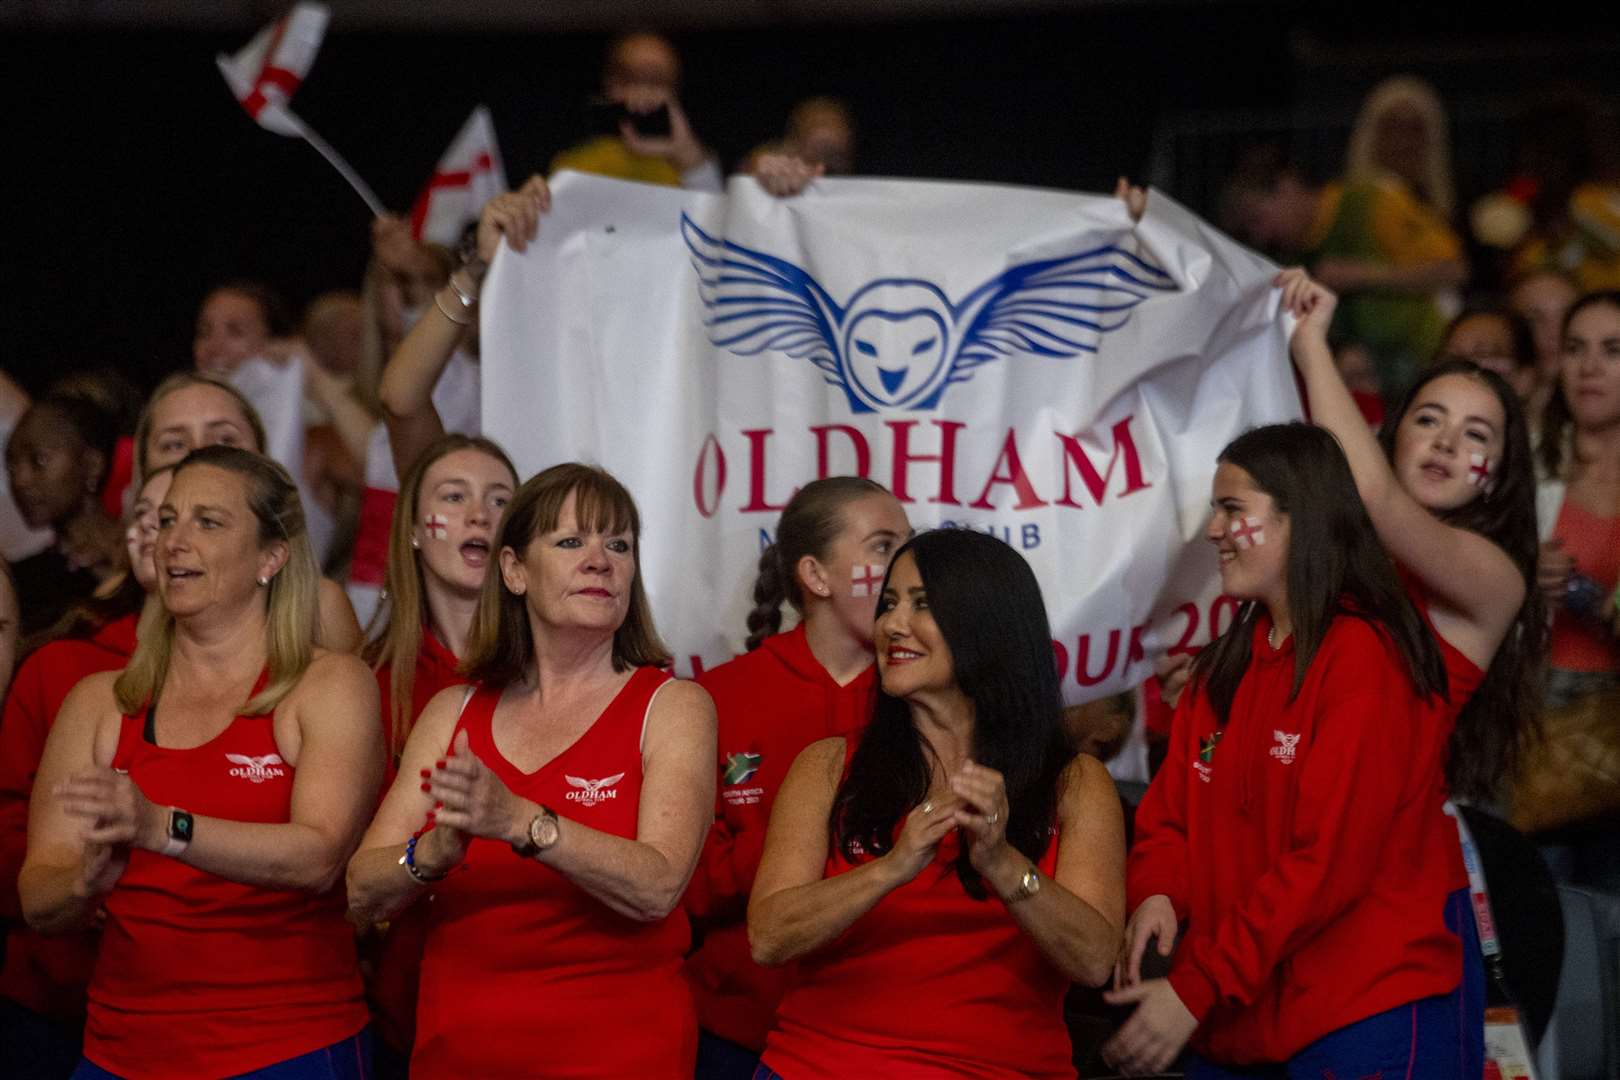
{"x":1437,"y":1038}
{"x":347,"y":1059}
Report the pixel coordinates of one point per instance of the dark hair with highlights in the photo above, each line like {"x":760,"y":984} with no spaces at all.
{"x":988,"y":606}
{"x":1336,"y":565}
{"x":500,"y":646}
{"x":1503,"y":714}
{"x":810,"y":522}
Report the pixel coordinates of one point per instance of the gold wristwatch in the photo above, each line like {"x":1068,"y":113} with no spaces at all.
{"x":543,"y":833}
{"x":1028,"y":886}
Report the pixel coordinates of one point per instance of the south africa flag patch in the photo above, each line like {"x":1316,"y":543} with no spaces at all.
{"x":740,"y":767}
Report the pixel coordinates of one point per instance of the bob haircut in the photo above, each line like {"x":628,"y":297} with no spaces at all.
{"x":501,"y":645}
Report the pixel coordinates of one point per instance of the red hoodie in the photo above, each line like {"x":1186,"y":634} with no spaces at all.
{"x":772,"y":703}
{"x":48,"y":975}
{"x":1305,"y":846}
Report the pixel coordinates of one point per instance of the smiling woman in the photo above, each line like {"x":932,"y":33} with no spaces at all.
{"x":572,"y":788}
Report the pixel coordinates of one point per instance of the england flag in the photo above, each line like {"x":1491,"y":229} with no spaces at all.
{"x":267,"y":72}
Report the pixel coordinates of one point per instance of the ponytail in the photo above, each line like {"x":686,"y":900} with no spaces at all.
{"x":770,"y":589}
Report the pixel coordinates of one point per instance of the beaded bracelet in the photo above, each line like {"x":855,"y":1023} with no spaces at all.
{"x":408,"y":861}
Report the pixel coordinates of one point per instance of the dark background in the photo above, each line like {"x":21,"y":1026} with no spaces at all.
{"x":136,"y":181}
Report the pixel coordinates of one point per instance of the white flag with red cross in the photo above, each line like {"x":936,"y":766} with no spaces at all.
{"x":468,"y":175}
{"x":267,"y":72}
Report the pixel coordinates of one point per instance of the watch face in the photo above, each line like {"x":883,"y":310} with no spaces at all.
{"x":545,"y":830}
{"x":180,"y":826}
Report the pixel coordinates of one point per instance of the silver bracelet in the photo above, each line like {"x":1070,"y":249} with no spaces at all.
{"x":468,"y":300}
{"x":438,"y":300}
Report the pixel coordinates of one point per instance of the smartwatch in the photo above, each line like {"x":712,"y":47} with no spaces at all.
{"x":179,"y":835}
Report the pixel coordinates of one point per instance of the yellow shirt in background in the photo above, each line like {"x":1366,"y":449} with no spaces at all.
{"x":606,"y":155}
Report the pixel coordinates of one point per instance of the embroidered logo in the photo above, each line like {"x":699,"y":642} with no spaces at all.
{"x":740,"y":767}
{"x":1206,"y":754}
{"x":256,"y":769}
{"x":591,"y":792}
{"x":1287,"y":746}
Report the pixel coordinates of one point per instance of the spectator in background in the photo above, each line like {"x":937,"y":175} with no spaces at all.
{"x":57,"y":460}
{"x":1497,"y":339}
{"x":10,"y":627}
{"x":1543,"y":298}
{"x":1388,"y":254}
{"x":642,"y":73}
{"x":1579,"y":503}
{"x":17,"y":540}
{"x":820,"y":133}
{"x":1401,"y":136}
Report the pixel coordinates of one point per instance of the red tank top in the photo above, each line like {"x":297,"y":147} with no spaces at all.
{"x":524,"y":972}
{"x":929,"y":983}
{"x":200,"y":976}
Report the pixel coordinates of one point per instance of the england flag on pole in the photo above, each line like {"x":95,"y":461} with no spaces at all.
{"x":468,"y":175}
{"x":265,"y":75}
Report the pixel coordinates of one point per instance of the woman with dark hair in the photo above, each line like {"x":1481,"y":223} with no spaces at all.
{"x":440,"y":546}
{"x":1497,"y":339}
{"x":1579,"y":503}
{"x":44,"y":979}
{"x":571,"y":787}
{"x":206,"y":799}
{"x":1313,"y":732}
{"x":942,"y":877}
{"x":833,"y":545}
{"x":57,"y":458}
{"x":1449,"y":485}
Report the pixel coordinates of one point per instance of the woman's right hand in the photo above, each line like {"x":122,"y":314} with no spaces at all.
{"x":925,"y":827}
{"x":1312,"y":303}
{"x":1154,"y":917}
{"x":1553,"y":568}
{"x":1174,"y":671}
{"x":784,"y":175}
{"x":101,"y":868}
{"x":515,"y":215}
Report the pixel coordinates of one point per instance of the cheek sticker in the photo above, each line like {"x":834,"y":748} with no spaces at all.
{"x":1247,"y":533}
{"x":1480,"y":467}
{"x":865,"y":580}
{"x":437,"y":526}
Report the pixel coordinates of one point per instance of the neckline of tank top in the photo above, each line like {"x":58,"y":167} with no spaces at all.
{"x":506,"y":762}
{"x":149,"y":723}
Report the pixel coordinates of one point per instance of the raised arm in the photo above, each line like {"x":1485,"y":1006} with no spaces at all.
{"x":1477,"y":589}
{"x":406,"y":389}
{"x":795,"y":909}
{"x":337,"y":769}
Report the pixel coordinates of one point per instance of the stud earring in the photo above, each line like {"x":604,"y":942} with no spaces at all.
{"x":416,"y":544}
{"x":263,"y":581}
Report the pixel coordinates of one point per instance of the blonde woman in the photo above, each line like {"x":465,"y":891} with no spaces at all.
{"x":207,"y":797}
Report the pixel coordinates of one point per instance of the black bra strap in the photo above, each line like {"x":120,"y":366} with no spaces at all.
{"x":150,"y":732}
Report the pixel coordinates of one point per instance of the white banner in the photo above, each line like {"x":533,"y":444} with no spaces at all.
{"x":1024,"y":362}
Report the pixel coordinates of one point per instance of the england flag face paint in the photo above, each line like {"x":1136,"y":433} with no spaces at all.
{"x":437,"y":527}
{"x":1481,"y":472}
{"x":1247,"y":532}
{"x":865,"y":581}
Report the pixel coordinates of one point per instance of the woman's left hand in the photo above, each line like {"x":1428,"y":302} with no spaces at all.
{"x":474,"y":800}
{"x":984,"y":814}
{"x":1156,"y":1032}
{"x":114,"y":809}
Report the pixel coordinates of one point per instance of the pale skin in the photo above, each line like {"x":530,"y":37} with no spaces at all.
{"x":1161,"y":1025}
{"x":1475,"y":591}
{"x":575,"y":586}
{"x":1074,"y":918}
{"x":414,"y":369}
{"x":467,"y":490}
{"x":85,"y":817}
{"x":838,"y":624}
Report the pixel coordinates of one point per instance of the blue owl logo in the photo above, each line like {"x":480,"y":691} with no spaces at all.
{"x":898,"y":343}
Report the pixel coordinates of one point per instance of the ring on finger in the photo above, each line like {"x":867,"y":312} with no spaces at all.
{"x":927,"y":807}
{"x":994,"y":816}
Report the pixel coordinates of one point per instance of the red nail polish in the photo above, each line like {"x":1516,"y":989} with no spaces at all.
{"x":439,"y":805}
{"x":427,"y":787}
{"x":440,"y":764}
{"x":426,"y":773}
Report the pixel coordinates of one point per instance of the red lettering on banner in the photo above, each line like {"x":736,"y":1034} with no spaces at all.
{"x":903,"y":457}
{"x":1136,"y":651}
{"x":1009,"y":469}
{"x":1074,"y":453}
{"x":756,"y":472}
{"x":714,"y":457}
{"x":863,"y":452}
{"x":1082,"y":674}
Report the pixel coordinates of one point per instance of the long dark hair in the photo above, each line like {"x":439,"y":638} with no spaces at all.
{"x":810,"y":522}
{"x":1556,"y":417}
{"x":988,"y":606}
{"x":1336,"y":566}
{"x":1504,"y":713}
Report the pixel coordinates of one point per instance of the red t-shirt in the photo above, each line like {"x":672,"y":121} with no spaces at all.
{"x":1305,"y":845}
{"x":527,"y":974}
{"x":772,"y":703}
{"x":46,"y":974}
{"x":929,"y":983}
{"x":1576,"y":643}
{"x":200,"y":976}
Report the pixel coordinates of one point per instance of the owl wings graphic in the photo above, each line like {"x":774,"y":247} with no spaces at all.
{"x":899,"y":342}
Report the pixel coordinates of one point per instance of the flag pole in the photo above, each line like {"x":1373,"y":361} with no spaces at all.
{"x":324,"y":148}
